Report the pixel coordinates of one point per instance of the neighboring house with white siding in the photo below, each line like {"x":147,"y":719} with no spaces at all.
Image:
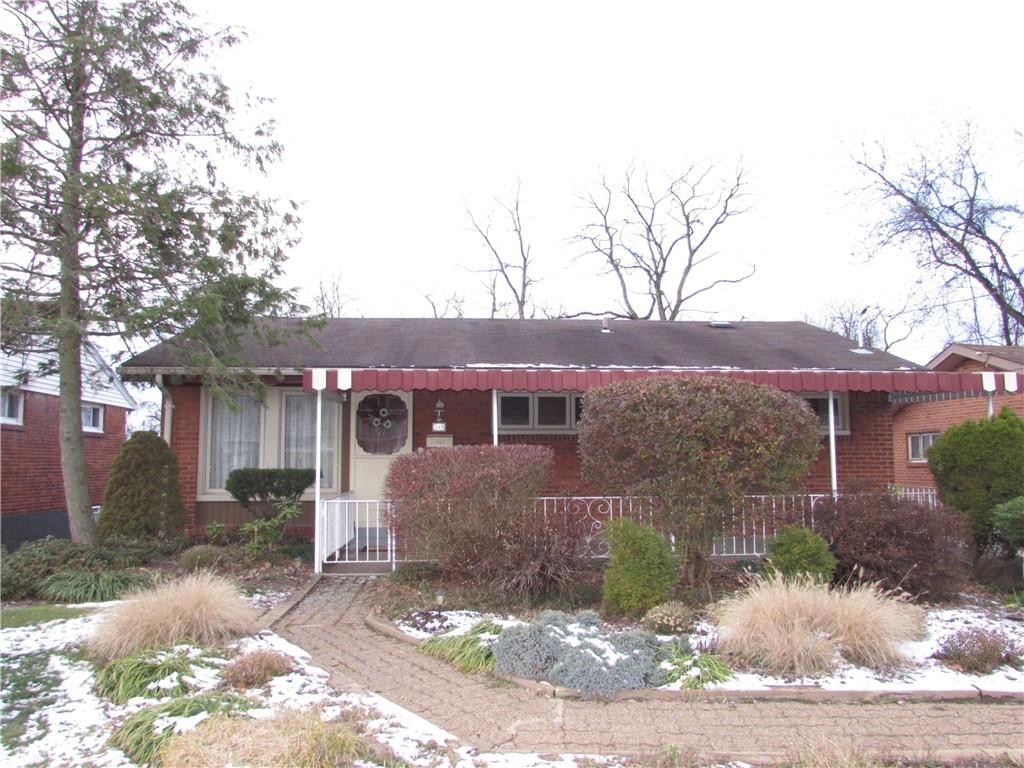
{"x":31,"y":486}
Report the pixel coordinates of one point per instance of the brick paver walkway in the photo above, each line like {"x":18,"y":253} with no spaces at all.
{"x":497,"y":716}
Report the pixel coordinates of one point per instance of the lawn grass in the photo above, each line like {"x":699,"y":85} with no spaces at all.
{"x":28,"y":687}
{"x":25,"y":615}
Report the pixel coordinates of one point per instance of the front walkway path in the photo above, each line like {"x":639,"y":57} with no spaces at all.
{"x":497,"y":716}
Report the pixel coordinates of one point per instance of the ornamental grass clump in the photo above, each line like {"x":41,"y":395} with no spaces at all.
{"x":83,"y":586}
{"x":797,"y":627}
{"x":147,"y":673}
{"x":695,"y":670}
{"x":470,"y":652}
{"x":201,"y":609}
{"x":577,"y":652}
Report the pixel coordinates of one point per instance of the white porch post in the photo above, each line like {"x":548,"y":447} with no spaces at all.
{"x":494,"y":416}
{"x":319,"y":383}
{"x":832,"y":442}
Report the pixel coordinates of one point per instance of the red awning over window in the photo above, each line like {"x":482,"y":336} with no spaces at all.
{"x":580,"y":380}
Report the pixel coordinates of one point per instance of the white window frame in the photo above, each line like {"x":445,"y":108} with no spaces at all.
{"x":910,"y":446}
{"x":98,"y":409}
{"x":205,"y":435}
{"x":533,"y":428}
{"x":842,"y":411}
{"x":18,"y":398}
{"x":336,"y":466}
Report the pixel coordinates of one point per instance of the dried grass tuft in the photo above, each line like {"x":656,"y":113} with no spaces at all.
{"x":200,"y":608}
{"x":256,"y":669}
{"x":294,"y":739}
{"x":798,"y":627}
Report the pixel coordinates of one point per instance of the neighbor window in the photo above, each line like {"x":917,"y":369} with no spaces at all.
{"x":92,"y":418}
{"x":12,"y":411}
{"x":840,"y":409}
{"x":298,"y":436}
{"x":234,"y":437}
{"x":919,"y":444}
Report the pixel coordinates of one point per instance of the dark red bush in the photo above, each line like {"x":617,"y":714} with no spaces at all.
{"x":471,"y":508}
{"x":881,"y":537}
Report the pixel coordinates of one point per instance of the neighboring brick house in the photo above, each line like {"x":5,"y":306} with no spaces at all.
{"x":32,"y":501}
{"x":395,"y":385}
{"x":919,"y":418}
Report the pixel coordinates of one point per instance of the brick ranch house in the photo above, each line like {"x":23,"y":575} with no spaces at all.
{"x":920,"y":417}
{"x":32,"y":501}
{"x":390,"y":386}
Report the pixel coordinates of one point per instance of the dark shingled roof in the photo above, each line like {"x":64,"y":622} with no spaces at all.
{"x":453,"y":343}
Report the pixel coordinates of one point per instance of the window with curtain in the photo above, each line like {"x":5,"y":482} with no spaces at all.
{"x":299,"y":435}
{"x":234,"y":437}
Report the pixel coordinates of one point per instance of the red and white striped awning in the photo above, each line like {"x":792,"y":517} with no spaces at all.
{"x":583,"y":379}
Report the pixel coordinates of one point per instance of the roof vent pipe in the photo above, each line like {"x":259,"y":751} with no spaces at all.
{"x":604,"y":325}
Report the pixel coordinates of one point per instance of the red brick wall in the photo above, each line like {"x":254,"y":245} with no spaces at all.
{"x":864,"y":457}
{"x":938,"y":417}
{"x":30,"y":475}
{"x":185,"y":443}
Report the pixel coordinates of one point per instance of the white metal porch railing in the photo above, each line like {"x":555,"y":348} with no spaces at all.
{"x":358,"y":530}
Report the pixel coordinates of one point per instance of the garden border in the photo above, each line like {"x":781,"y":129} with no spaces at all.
{"x":784,"y":693}
{"x":278,"y":612}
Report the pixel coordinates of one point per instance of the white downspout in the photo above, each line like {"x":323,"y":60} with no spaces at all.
{"x":832,"y":443}
{"x":166,"y":409}
{"x":494,"y":416}
{"x":317,"y":538}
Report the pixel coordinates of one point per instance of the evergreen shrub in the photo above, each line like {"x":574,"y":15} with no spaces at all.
{"x":1008,"y":522}
{"x":798,"y":551}
{"x":977,"y":466}
{"x":22,"y":570}
{"x":576,"y":652}
{"x":143,"y":498}
{"x":896,"y":542}
{"x":641,"y":570}
{"x":264,"y":491}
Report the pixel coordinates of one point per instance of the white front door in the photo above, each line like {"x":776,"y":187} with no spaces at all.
{"x":381,"y":429}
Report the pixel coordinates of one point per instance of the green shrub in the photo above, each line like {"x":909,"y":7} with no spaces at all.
{"x":977,"y":466}
{"x":672,"y":618}
{"x":296,"y":548}
{"x":267,"y":532}
{"x":695,"y":446}
{"x":978,"y":651}
{"x":217,"y":534}
{"x":147,"y":673}
{"x":641,"y":571}
{"x":33,"y":561}
{"x":200,"y":557}
{"x":143,"y":497}
{"x":470,"y":652}
{"x":1008,"y":522}
{"x":145,"y":733}
{"x":263,"y":491}
{"x":89,"y":586}
{"x":796,"y":551}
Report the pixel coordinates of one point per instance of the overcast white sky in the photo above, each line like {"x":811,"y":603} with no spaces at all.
{"x":397,"y":116}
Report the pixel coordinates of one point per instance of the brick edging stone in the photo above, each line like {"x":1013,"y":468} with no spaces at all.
{"x":786,"y":693}
{"x":275,"y":614}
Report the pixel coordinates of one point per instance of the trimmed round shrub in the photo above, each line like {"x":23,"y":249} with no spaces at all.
{"x":641,"y":570}
{"x":977,"y":466}
{"x":897,"y":542}
{"x":797,"y":551}
{"x":695,"y":446}
{"x":671,"y":618}
{"x":200,"y":557}
{"x":1008,"y":522}
{"x":263,"y":492}
{"x":143,"y":498}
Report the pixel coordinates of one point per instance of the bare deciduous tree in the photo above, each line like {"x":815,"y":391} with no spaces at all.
{"x":872,"y":325}
{"x":329,"y":299}
{"x":450,"y":306}
{"x":655,"y":241}
{"x":511,"y":273}
{"x":943,"y":211}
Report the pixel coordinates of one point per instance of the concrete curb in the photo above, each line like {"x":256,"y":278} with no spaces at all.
{"x":807,"y":693}
{"x":275,"y":614}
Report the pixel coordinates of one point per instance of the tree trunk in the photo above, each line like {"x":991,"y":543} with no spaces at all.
{"x":71,"y":332}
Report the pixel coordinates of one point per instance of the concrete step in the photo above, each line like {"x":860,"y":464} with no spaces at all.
{"x":357,"y":569}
